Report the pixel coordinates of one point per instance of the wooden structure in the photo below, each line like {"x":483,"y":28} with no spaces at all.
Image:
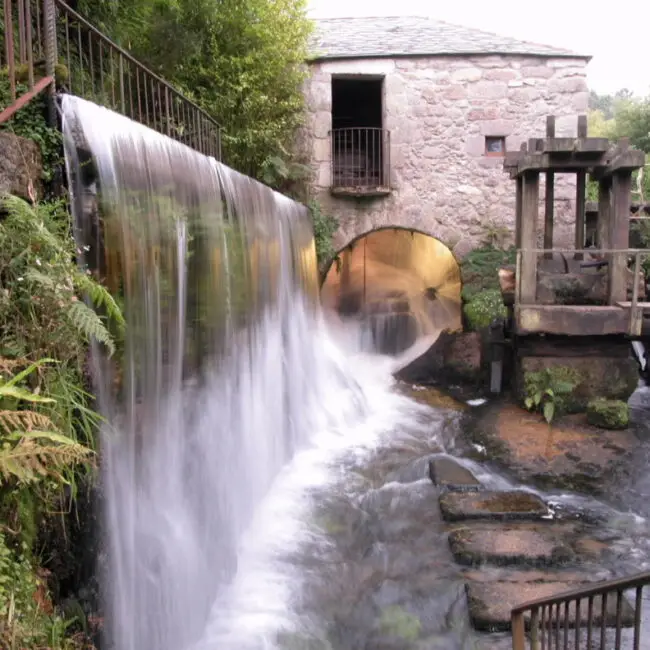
{"x":608,"y":296}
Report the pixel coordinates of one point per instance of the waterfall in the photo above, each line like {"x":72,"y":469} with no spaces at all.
{"x":226,"y":373}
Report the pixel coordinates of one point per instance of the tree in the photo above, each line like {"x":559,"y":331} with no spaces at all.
{"x":241,"y":60}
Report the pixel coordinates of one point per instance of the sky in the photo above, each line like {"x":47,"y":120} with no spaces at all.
{"x":617,"y":40}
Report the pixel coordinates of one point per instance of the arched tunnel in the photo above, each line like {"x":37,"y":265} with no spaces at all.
{"x":403,"y":285}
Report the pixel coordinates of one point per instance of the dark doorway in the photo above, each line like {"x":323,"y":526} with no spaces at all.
{"x":358,"y":138}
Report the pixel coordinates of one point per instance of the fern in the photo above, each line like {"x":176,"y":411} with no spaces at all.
{"x":12,"y":421}
{"x":39,"y":454}
{"x":100,"y":297}
{"x":89,"y":324}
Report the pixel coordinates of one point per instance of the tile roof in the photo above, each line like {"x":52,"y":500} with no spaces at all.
{"x":353,"y":38}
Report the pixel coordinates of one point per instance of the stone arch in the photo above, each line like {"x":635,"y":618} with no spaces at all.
{"x":405,"y":284}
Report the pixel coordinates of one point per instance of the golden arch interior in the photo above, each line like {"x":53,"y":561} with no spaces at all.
{"x":401,"y":284}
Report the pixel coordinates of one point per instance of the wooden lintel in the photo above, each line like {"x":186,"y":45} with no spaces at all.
{"x":574,"y":145}
{"x":570,"y":320}
{"x":625,"y":161}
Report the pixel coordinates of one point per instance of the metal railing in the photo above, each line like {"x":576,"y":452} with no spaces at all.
{"x":48,"y":39}
{"x":360,"y":158}
{"x":559,"y":622}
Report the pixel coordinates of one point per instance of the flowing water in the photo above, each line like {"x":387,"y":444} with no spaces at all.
{"x":263,"y":478}
{"x":233,"y":400}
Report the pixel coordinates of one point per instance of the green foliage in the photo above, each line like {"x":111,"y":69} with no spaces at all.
{"x":242,"y":61}
{"x":547,"y":390}
{"x":325,"y":226}
{"x":479,"y":269}
{"x":40,"y":313}
{"x":484,"y":308}
{"x":29,"y":122}
{"x":608,"y":413}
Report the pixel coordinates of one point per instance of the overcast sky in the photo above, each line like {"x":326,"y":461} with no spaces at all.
{"x":616,"y":35}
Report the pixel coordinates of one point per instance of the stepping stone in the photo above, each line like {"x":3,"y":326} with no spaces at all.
{"x":449,"y":474}
{"x":503,"y":506}
{"x":527,"y":545}
{"x":490,"y":604}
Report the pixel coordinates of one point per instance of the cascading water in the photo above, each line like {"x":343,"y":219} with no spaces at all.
{"x":227,"y":373}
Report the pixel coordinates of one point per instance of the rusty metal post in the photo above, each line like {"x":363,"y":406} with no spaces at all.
{"x":518,"y":632}
{"x":51,"y":56}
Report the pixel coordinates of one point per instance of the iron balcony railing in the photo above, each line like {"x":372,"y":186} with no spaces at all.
{"x":361,"y":158}
{"x":47,"y":42}
{"x":580,"y":619}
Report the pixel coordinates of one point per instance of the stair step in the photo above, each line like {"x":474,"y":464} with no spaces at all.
{"x":502,"y":506}
{"x":529,"y":545}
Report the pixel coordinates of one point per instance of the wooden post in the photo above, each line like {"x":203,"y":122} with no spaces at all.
{"x":581,"y":187}
{"x":518,"y":207}
{"x":529,"y":214}
{"x":603,"y":225}
{"x":550,"y":195}
{"x":620,"y":234}
{"x":518,"y":631}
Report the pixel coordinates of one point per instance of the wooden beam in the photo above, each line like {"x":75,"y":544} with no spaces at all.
{"x":581,"y":186}
{"x":603,"y":226}
{"x":620,"y":234}
{"x":518,"y":207}
{"x":549,"y":197}
{"x":570,"y":320}
{"x":529,"y":214}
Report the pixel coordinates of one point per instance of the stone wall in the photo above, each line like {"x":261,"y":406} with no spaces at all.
{"x":439,"y":111}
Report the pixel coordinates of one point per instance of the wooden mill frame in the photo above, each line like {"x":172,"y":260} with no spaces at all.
{"x":612,"y":166}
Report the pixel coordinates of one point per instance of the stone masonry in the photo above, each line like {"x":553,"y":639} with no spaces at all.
{"x":439,"y":109}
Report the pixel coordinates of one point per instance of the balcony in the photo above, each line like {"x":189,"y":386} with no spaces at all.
{"x":360,"y":162}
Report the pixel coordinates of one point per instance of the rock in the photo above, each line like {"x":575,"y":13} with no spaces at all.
{"x":515,"y":574}
{"x":20,"y":166}
{"x":515,"y":504}
{"x":608,"y":413}
{"x":490,"y":604}
{"x":605,"y":376}
{"x":521,"y":544}
{"x":449,"y":474}
{"x":462,"y":356}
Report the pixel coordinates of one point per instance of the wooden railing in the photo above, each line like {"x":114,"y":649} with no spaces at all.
{"x":579,"y":619}
{"x":48,"y":45}
{"x":360,"y":158}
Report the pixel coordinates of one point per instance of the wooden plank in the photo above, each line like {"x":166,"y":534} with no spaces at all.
{"x":528,"y":237}
{"x":576,"y":145}
{"x":619,"y":233}
{"x":581,"y":187}
{"x":570,"y":320}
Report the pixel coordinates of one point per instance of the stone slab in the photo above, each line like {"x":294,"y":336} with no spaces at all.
{"x":526,"y":545}
{"x":502,"y":506}
{"x":490,"y":604}
{"x":571,"y":575}
{"x":448,"y":474}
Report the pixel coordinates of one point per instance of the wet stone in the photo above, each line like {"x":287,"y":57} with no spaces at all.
{"x":490,"y":604}
{"x":521,"y":544}
{"x":450,"y":475}
{"x":502,"y":506}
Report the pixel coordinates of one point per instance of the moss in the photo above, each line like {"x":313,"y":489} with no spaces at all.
{"x":485,"y":307}
{"x":397,"y":622}
{"x":608,"y":413}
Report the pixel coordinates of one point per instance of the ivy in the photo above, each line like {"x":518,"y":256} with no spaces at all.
{"x":325,"y":226}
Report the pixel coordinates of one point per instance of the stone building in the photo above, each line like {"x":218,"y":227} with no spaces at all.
{"x":409,"y":119}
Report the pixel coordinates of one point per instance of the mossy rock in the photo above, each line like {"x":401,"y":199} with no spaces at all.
{"x":484,"y":308}
{"x":608,"y":413}
{"x":396,"y":622}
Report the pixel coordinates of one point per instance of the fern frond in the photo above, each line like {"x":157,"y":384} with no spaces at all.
{"x":88,"y":323}
{"x":40,"y":454}
{"x":22,"y":213}
{"x":38,"y":277}
{"x":12,"y":421}
{"x":100,"y":296}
